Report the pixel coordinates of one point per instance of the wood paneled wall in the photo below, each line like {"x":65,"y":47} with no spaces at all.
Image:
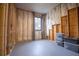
{"x":14,"y":27}
{"x":38,"y":35}
{"x":52,"y":32}
{"x":25,"y":25}
{"x":60,"y":12}
{"x":73,"y":15}
{"x":11,"y":28}
{"x":56,"y":30}
{"x":65,"y":25}
{"x":70,"y":23}
{"x":3,"y":19}
{"x":1,"y":27}
{"x":44,"y":26}
{"x":20,"y":24}
{"x":7,"y":27}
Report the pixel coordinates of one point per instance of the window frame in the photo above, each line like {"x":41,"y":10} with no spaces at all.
{"x":40,"y":24}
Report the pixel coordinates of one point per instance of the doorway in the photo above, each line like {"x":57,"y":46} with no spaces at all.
{"x":38,"y":27}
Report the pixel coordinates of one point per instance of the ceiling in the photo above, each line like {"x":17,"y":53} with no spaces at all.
{"x":36,"y":7}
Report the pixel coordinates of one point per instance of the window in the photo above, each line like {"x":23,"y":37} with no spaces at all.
{"x":37,"y":23}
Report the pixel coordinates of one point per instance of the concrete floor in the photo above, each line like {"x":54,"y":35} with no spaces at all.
{"x":40,"y":48}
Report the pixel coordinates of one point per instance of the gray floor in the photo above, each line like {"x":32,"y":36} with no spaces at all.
{"x":40,"y":48}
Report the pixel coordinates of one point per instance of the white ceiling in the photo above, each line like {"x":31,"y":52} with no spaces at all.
{"x":36,"y":7}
